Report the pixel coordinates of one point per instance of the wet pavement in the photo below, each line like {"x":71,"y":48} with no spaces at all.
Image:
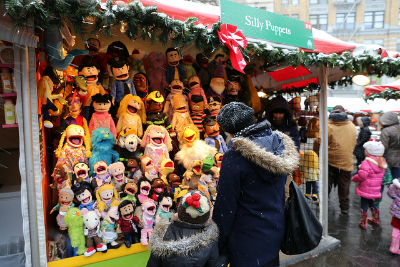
{"x":366,"y":248}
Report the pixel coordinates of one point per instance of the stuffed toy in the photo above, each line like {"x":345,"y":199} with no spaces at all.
{"x":310,"y":172}
{"x":106,"y":196}
{"x":74,"y":221}
{"x":129,"y":191}
{"x":60,"y":177}
{"x":141,"y":85}
{"x":203,"y":184}
{"x":148,"y":167}
{"x":176,"y":87}
{"x":187,"y":64}
{"x":201,"y":66}
{"x":188,"y":134}
{"x":196,"y":89}
{"x":93,"y":45}
{"x":101,"y":117}
{"x":129,"y":143}
{"x":146,"y":216}
{"x":94,"y":243}
{"x":302,"y":122}
{"x":165,"y":205}
{"x":212,"y":172}
{"x":84,"y":195}
{"x":156,"y":144}
{"x":53,"y":44}
{"x":144,"y":185}
{"x":192,"y":175}
{"x":157,"y":187}
{"x":65,"y":202}
{"x":213,"y":138}
{"x":197,"y":106}
{"x":311,"y":102}
{"x":117,"y":171}
{"x":167,"y":166}
{"x":73,"y":116}
{"x":46,"y":84}
{"x":294,"y":105}
{"x":131,"y":114}
{"x":156,"y":72}
{"x":181,"y":114}
{"x":109,"y":226}
{"x":174,"y":68}
{"x":217,"y":84}
{"x":174,"y":182}
{"x":101,"y":175}
{"x":132,"y":170}
{"x":313,"y":128}
{"x":122,"y":85}
{"x":214,"y":105}
{"x":80,"y":173}
{"x":115,"y":49}
{"x":136,"y":65}
{"x":74,"y":150}
{"x":91,"y":73}
{"x":218,"y":157}
{"x":102,"y":142}
{"x":128,"y":222}
{"x":155,"y":114}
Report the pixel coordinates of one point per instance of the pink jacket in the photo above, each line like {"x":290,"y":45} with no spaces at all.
{"x":197,"y":91}
{"x":369,"y":178}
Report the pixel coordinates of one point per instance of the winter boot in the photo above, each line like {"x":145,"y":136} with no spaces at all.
{"x":394,"y":247}
{"x":308,"y":196}
{"x":363,"y":222}
{"x":375,"y":217}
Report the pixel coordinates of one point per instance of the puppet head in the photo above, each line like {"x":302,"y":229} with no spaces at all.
{"x":91,"y":218}
{"x":132,"y":105}
{"x":208,"y":163}
{"x":157,"y":185}
{"x":173,"y":56}
{"x":128,"y":139}
{"x":73,"y":219}
{"x":211,"y":127}
{"x":147,"y":165}
{"x":91,"y":73}
{"x":194,"y":208}
{"x":126,"y":209}
{"x":176,"y":85}
{"x":129,"y":189}
{"x":101,"y":103}
{"x":141,"y":83}
{"x":60,"y":173}
{"x":233,"y":88}
{"x":188,"y":60}
{"x":93,"y":45}
{"x":144,"y":186}
{"x":133,"y":166}
{"x":74,"y":107}
{"x":103,"y":138}
{"x":309,"y":159}
{"x":214,"y":104}
{"x":217,"y":82}
{"x":81,"y":171}
{"x":117,"y":170}
{"x":196,"y":104}
{"x":165,"y":201}
{"x":154,"y":102}
{"x":75,"y":136}
{"x":148,"y":207}
{"x":138,"y":54}
{"x":119,"y":68}
{"x":157,"y":135}
{"x":106,"y":194}
{"x":202,"y":60}
{"x":83,"y":192}
{"x":117,"y":49}
{"x":112,"y":215}
{"x":194,"y":81}
{"x":173,"y":179}
{"x":100,"y":168}
{"x":188,"y":134}
{"x":218,"y":157}
{"x":196,"y":166}
{"x":179,"y":104}
{"x":65,"y":196}
{"x":167,"y":166}
{"x":198,"y":150}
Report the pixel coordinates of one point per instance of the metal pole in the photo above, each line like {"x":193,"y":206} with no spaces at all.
{"x":323,"y":122}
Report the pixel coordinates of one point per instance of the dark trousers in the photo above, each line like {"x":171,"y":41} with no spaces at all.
{"x":365,"y":203}
{"x":93,"y":241}
{"x":49,"y":105}
{"x":312,"y":187}
{"x":395,"y":172}
{"x":341,"y":179}
{"x":134,"y":235}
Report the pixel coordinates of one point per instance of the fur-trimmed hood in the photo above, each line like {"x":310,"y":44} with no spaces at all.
{"x":272,"y":151}
{"x":183,"y":247}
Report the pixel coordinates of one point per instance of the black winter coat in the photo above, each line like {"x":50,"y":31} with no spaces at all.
{"x":363,"y":136}
{"x":183,"y":244}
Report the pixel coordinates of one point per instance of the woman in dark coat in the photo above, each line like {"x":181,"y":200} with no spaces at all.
{"x":363,"y":136}
{"x":249,"y":208}
{"x":390,"y":138}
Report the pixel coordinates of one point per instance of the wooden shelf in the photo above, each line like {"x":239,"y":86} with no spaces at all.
{"x":6,"y":65}
{"x":9,"y":125}
{"x":8,"y":95}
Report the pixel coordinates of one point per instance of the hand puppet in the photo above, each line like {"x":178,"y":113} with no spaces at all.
{"x":213,"y":138}
{"x":144,"y":189}
{"x":81,"y":173}
{"x":165,"y":206}
{"x":122,"y":85}
{"x":102,"y":142}
{"x":74,"y":221}
{"x":128,"y":222}
{"x":157,"y":187}
{"x":217,"y":84}
{"x":60,"y":177}
{"x":174,"y":68}
{"x":302,"y":122}
{"x":129,"y":191}
{"x":131,"y":114}
{"x":101,"y":117}
{"x":187,"y":64}
{"x":202,"y":71}
{"x":154,"y":108}
{"x":141,"y":85}
{"x":109,"y":226}
{"x":101,"y":175}
{"x":136,"y":65}
{"x":146,"y":220}
{"x":214,"y":105}
{"x":167,"y":166}
{"x":192,"y":175}
{"x":294,"y":105}
{"x":313,"y":128}
{"x":74,"y":150}
{"x":106,"y":197}
{"x":188,"y":134}
{"x":132,"y":170}
{"x":83,"y":193}
{"x":156,"y":144}
{"x":176,"y":87}
{"x":129,"y":143}
{"x":73,"y":116}
{"x":117,"y":171}
{"x":94,"y":243}
{"x":311,"y":102}
{"x":156,"y":72}
{"x":197,"y":106}
{"x":181,"y":114}
{"x":65,"y":202}
{"x":196,"y":89}
{"x":148,"y":168}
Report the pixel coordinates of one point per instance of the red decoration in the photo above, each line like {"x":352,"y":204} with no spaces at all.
{"x":196,"y":197}
{"x":189,"y":201}
{"x":196,"y":204}
{"x":233,"y":39}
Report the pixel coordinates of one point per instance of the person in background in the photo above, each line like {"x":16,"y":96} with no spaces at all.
{"x":341,"y":142}
{"x":363,"y":136}
{"x":249,"y":209}
{"x":390,"y":138}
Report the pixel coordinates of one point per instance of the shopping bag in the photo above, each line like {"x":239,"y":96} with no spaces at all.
{"x":303,"y":231}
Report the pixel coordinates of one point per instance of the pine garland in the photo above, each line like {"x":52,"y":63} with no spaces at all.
{"x":148,"y":24}
{"x":387,"y":94}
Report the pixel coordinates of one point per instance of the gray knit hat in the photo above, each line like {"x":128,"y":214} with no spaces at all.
{"x":235,"y":116}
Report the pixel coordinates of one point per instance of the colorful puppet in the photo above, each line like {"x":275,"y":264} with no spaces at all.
{"x":188,"y":134}
{"x":214,"y":105}
{"x":157,"y":187}
{"x":117,"y":171}
{"x":146,"y":220}
{"x":197,"y":106}
{"x":133,"y":171}
{"x":148,"y":168}
{"x":154,"y":108}
{"x":101,"y":117}
{"x":217,"y":84}
{"x":73,"y":116}
{"x":65,"y":202}
{"x":176,"y":87}
{"x":174,"y":68}
{"x":165,"y":205}
{"x":74,"y":150}
{"x":103,"y":142}
{"x":136,"y":65}
{"x":94,"y":243}
{"x":213,"y":138}
{"x":141,"y":85}
{"x":109,"y":227}
{"x":196,"y":89}
{"x":167,"y":166}
{"x":129,"y":143}
{"x":181,"y":114}
{"x":122,"y":85}
{"x":74,"y":221}
{"x":131,"y":114}
{"x":107,"y":196}
{"x":157,"y":144}
{"x":129,"y":191}
{"x":128,"y":222}
{"x":144,"y":189}
{"x":83,"y":193}
{"x":101,"y":175}
{"x":187,"y":64}
{"x":81,"y":173}
{"x":60,"y":177}
{"x":156,"y":72}
{"x":192,"y":175}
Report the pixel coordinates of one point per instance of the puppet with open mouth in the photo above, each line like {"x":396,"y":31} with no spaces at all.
{"x":157,"y":187}
{"x":174,"y":68}
{"x":213,"y":138}
{"x":76,"y":148}
{"x":128,"y":222}
{"x":106,"y":197}
{"x":101,"y":117}
{"x":83,"y":193}
{"x":65,"y":202}
{"x":81,"y":173}
{"x":102,"y":176}
{"x":181,"y":114}
{"x":144,"y":189}
{"x":109,"y":227}
{"x":60,"y":177}
{"x":117,"y":171}
{"x":148,"y":168}
{"x":165,"y":206}
{"x":176,"y":87}
{"x":146,"y":220}
{"x":157,"y":144}
{"x":129,"y":191}
{"x":192,"y":175}
{"x":196,"y":89}
{"x":167,"y":167}
{"x":131,"y":114}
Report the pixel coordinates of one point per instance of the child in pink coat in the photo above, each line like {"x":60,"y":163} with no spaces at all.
{"x":369,"y":179}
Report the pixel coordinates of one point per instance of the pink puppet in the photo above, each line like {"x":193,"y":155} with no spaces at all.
{"x":157,"y":144}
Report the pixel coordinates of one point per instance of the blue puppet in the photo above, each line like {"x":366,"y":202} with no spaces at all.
{"x":102,"y":144}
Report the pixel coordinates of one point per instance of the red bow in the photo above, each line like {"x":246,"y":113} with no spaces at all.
{"x":232,"y":39}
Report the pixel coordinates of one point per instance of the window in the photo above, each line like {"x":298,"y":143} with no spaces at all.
{"x":295,"y":2}
{"x":349,"y":24}
{"x":295,"y":16}
{"x":374,"y":41}
{"x":398,"y":22}
{"x":398,"y":45}
{"x":319,"y":22}
{"x":263,"y":7}
{"x":285,"y":2}
{"x":373,"y":19}
{"x":318,"y":2}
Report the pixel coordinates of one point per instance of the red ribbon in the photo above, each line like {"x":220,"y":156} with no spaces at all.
{"x":233,"y":39}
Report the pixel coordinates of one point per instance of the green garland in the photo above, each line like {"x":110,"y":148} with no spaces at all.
{"x":387,"y":94}
{"x":148,"y":24}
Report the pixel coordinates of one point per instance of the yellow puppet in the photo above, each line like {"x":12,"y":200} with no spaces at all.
{"x":107,"y":197}
{"x":131,"y":114}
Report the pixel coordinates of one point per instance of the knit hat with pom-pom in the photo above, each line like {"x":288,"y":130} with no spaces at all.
{"x":374,"y":148}
{"x":194,"y":208}
{"x":235,"y":116}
